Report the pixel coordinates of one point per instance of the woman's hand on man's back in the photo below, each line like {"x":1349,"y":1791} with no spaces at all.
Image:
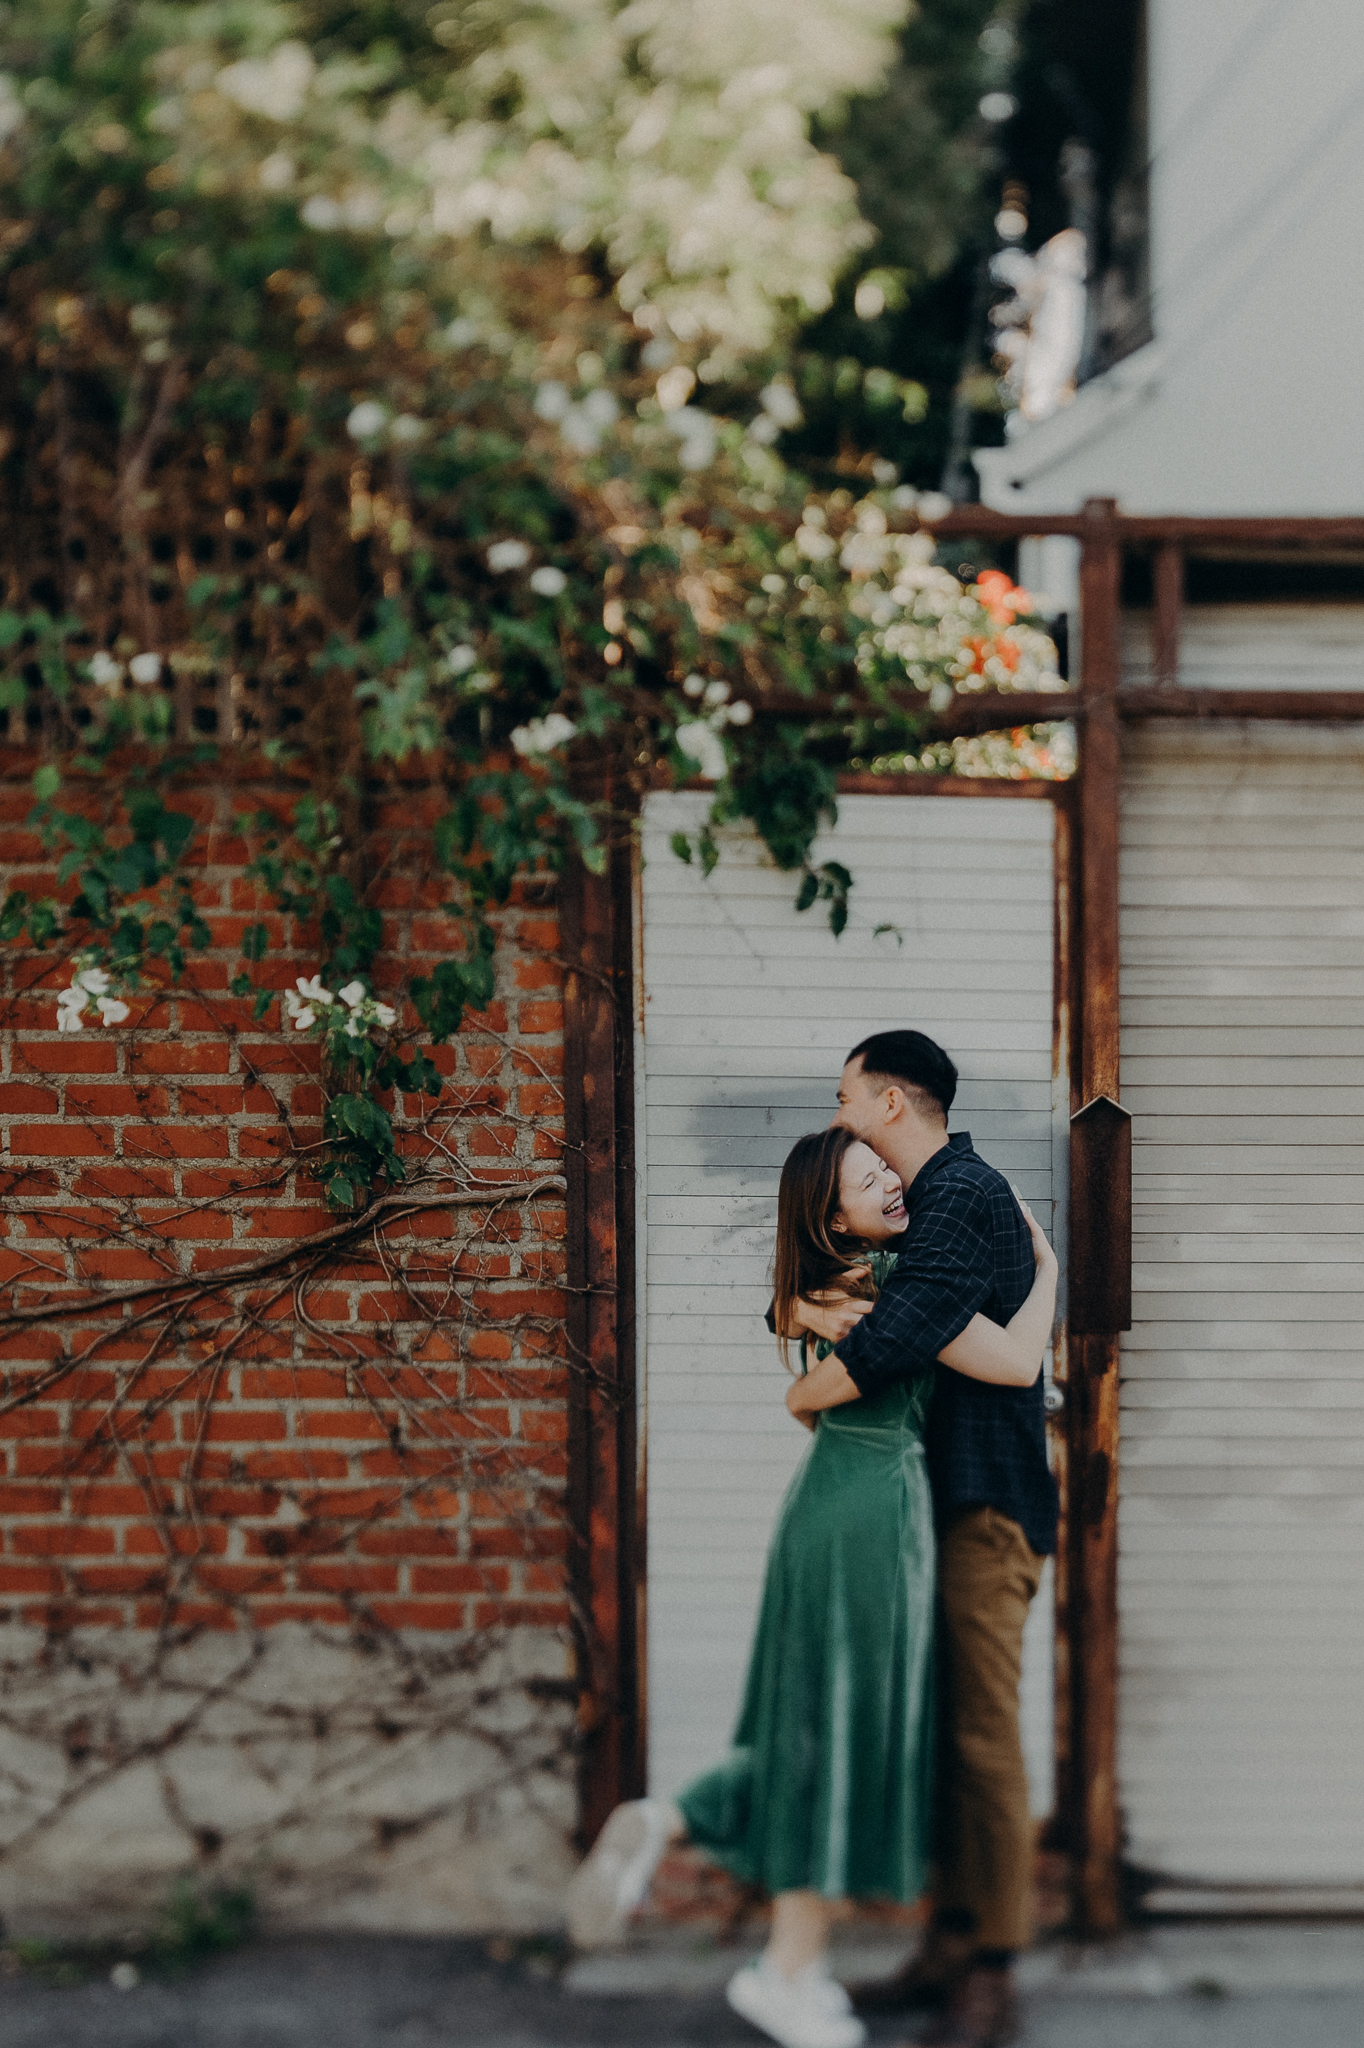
{"x":831,"y":1314}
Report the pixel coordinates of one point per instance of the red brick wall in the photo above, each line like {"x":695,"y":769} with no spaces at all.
{"x":373,"y":1438}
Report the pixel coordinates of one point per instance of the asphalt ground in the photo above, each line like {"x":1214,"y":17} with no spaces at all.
{"x":386,"y":1992}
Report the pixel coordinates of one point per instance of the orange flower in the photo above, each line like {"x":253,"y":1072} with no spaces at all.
{"x":1002,"y":599}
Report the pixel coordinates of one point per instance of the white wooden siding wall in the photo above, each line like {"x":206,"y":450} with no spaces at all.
{"x":749,"y":1013}
{"x":1256,"y":646}
{"x":1242,"y":1517}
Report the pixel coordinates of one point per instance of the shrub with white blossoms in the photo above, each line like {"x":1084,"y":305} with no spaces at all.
{"x":543,"y":735}
{"x":89,"y":992}
{"x":918,"y":623}
{"x":347,"y":1013}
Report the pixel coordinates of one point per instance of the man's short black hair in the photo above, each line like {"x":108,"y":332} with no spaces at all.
{"x":909,"y":1060}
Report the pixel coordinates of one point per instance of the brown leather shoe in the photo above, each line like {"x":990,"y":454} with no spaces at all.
{"x":925,"y":1983}
{"x":983,"y":2013}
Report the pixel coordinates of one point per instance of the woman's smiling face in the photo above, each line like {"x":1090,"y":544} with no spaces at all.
{"x":870,"y":1198}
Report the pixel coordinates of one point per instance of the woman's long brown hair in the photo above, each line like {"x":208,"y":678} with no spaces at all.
{"x":810,"y":1253}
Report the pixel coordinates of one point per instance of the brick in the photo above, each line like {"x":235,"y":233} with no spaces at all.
{"x":222,"y":1183}
{"x":120,"y":1263}
{"x":122,"y":1578}
{"x":29,"y":1422}
{"x":460,"y":1578}
{"x":29,"y":1578}
{"x":489,"y":1344}
{"x":241,"y":1426}
{"x":539,"y":1098}
{"x":537,"y":974}
{"x":123,"y":1182}
{"x":269,"y":1613}
{"x":356,"y":1423}
{"x":308,"y":1464}
{"x":85,"y":1098}
{"x":93,"y":1500}
{"x":241,"y":1578}
{"x":407,"y":1540}
{"x":433,"y":1614}
{"x":147,"y":1056}
{"x":518,"y":1542}
{"x":62,"y":1141}
{"x":61,"y":1540}
{"x":191,"y":1224}
{"x":534,"y":1018}
{"x":21,"y":1098}
{"x":73,"y":1055}
{"x":30,"y":1500}
{"x":347,"y":1578}
{"x":175,"y":1141}
{"x":183,"y":1539}
{"x":284,"y":1222}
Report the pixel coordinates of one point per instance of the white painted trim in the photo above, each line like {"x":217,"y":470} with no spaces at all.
{"x":1096,"y":408}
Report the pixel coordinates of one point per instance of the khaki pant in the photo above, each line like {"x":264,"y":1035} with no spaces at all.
{"x":987,"y":1574}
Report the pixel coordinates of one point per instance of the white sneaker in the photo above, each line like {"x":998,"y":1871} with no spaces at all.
{"x":808,"y":2011}
{"x":614,"y":1876}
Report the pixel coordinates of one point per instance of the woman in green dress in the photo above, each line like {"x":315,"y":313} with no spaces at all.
{"x":826,"y":1791}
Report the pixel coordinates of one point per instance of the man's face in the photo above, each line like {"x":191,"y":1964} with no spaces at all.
{"x":861,"y":1108}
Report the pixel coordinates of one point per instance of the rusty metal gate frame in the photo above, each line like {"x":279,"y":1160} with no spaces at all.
{"x":599,"y":919}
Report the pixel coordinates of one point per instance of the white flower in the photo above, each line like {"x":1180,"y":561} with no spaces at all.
{"x":365,"y":419}
{"x":385,"y":1016}
{"x":548,"y":582}
{"x":105,"y":671}
{"x":113,"y":1011}
{"x":462,"y":658}
{"x":91,"y":980}
{"x":303,"y":1014}
{"x":542,"y":735}
{"x":715,"y":693}
{"x":145,"y":668}
{"x":694,"y":685}
{"x":552,"y":399}
{"x":313,"y":991}
{"x":814,"y":544}
{"x":601,"y":408}
{"x":780,"y":403}
{"x":356,"y":1026}
{"x":351,"y":994}
{"x":274,"y":86}
{"x":580,"y":431}
{"x":320,"y":212}
{"x":675,"y":387}
{"x":462,"y":332}
{"x":70,"y":1007}
{"x":407,"y":429}
{"x":277,"y":172}
{"x":507,"y":554}
{"x":741,"y":713}
{"x":696,"y":431}
{"x":704,"y":746}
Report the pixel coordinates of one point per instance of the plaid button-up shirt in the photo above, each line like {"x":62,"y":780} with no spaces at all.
{"x":966,"y":1251}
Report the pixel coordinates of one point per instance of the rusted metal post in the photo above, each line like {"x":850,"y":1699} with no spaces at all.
{"x":1168,"y":577}
{"x":599,"y":1169}
{"x":1093,"y":1392}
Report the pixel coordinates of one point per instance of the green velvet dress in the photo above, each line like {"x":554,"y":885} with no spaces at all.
{"x":828,"y":1785}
